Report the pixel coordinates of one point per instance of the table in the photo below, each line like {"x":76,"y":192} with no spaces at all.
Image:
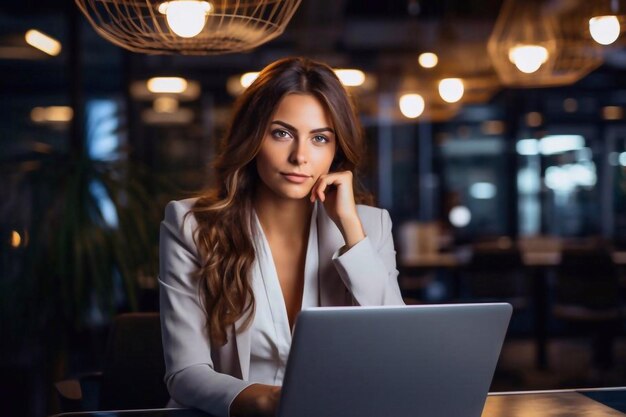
{"x":453,"y":260}
{"x":607,"y":402}
{"x":538,"y":264}
{"x":601,"y":402}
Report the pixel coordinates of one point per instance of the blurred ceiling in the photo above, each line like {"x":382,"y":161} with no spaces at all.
{"x":383,"y":38}
{"x":376,"y":36}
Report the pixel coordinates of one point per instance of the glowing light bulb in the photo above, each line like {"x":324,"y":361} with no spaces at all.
{"x":604,"y":29}
{"x":411,"y":105}
{"x":460,"y":216}
{"x":350,"y":77}
{"x":43,"y":42}
{"x":53,"y":114}
{"x":451,"y":89}
{"x":171,"y":85}
{"x":248,"y":78}
{"x":186,"y":18}
{"x":16,"y":239}
{"x":528,"y":58}
{"x":428,"y":60}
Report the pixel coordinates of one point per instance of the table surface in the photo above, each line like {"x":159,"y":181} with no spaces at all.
{"x":601,"y":402}
{"x":452,"y":259}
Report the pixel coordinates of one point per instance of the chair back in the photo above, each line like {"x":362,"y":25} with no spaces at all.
{"x":133,"y":370}
{"x":497,"y":274}
{"x":588,"y":277}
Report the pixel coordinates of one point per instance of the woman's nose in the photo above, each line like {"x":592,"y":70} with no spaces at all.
{"x":299,"y":153}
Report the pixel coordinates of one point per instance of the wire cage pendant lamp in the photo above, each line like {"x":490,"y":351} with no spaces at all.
{"x":188,"y":27}
{"x":534,"y":45}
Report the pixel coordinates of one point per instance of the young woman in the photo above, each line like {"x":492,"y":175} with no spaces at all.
{"x":280,"y":232}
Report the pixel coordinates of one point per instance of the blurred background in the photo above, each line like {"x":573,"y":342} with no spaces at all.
{"x":496,"y":139}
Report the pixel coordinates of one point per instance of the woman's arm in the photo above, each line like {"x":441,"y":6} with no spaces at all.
{"x":256,"y":400}
{"x":190,"y":373}
{"x":368,"y":269}
{"x":367,"y":261}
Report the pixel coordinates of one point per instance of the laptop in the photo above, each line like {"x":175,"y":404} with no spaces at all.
{"x":422,"y":361}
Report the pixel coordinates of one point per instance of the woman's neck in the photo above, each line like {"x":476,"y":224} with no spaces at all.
{"x":285,"y":218}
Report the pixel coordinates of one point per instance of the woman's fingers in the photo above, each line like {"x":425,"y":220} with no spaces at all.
{"x":319,"y":189}
{"x":340,"y":183}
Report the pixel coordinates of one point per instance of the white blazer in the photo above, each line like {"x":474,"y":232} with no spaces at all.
{"x":209,"y":377}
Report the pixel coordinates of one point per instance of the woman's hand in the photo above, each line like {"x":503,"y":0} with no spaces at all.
{"x":335,"y":191}
{"x":257,"y":400}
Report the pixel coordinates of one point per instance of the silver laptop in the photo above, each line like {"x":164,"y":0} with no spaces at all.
{"x":426,"y":361}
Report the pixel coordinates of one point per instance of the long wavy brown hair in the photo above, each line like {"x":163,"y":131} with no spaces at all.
{"x":224,"y":235}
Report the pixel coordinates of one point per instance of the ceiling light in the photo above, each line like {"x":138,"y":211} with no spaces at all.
{"x":411,"y":105}
{"x":536,"y":45}
{"x":187,"y":27}
{"x":350,"y":77}
{"x":248,"y":78}
{"x":604,"y":29}
{"x":140,"y":91}
{"x":534,"y":119}
{"x":451,"y":89}
{"x":428,"y":60}
{"x":43,"y":42}
{"x":460,"y":216}
{"x":51,"y":114}
{"x":186,"y":18}
{"x":173,"y":85}
{"x":16,"y":239}
{"x":528,"y":58}
{"x":612,"y":113}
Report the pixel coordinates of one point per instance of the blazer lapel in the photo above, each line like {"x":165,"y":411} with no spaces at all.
{"x":332,"y":291}
{"x":243,"y":348}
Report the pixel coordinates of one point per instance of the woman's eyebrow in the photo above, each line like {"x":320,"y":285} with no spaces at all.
{"x":323,"y":129}
{"x":293,"y":129}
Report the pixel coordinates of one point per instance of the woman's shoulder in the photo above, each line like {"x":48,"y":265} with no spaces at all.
{"x":184,"y":205}
{"x":176,"y":211}
{"x":370,"y":211}
{"x":373,"y":217}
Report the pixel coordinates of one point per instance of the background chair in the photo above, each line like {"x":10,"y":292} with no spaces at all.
{"x":132,"y":373}
{"x":587,"y":298}
{"x":496,"y":273}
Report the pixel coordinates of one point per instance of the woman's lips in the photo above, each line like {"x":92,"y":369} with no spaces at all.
{"x":295,"y":178}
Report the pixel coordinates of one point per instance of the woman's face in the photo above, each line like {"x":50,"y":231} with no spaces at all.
{"x":297,"y":148}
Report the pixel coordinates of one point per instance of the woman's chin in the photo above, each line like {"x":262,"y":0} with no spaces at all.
{"x":290,"y":193}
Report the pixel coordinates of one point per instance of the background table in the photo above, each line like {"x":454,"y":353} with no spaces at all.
{"x":538,"y":264}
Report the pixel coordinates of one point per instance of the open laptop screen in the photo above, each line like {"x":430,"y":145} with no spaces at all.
{"x":430,"y":360}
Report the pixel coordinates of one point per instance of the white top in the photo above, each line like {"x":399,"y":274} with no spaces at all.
{"x":270,"y":331}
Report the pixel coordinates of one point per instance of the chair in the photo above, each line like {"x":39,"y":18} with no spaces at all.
{"x":496,"y":273}
{"x":587,"y":297}
{"x":132,"y":373}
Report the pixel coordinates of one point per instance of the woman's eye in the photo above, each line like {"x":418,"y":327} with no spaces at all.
{"x":320,"y":139}
{"x":280,"y":134}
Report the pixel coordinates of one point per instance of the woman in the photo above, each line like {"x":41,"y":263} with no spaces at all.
{"x":280,"y":232}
